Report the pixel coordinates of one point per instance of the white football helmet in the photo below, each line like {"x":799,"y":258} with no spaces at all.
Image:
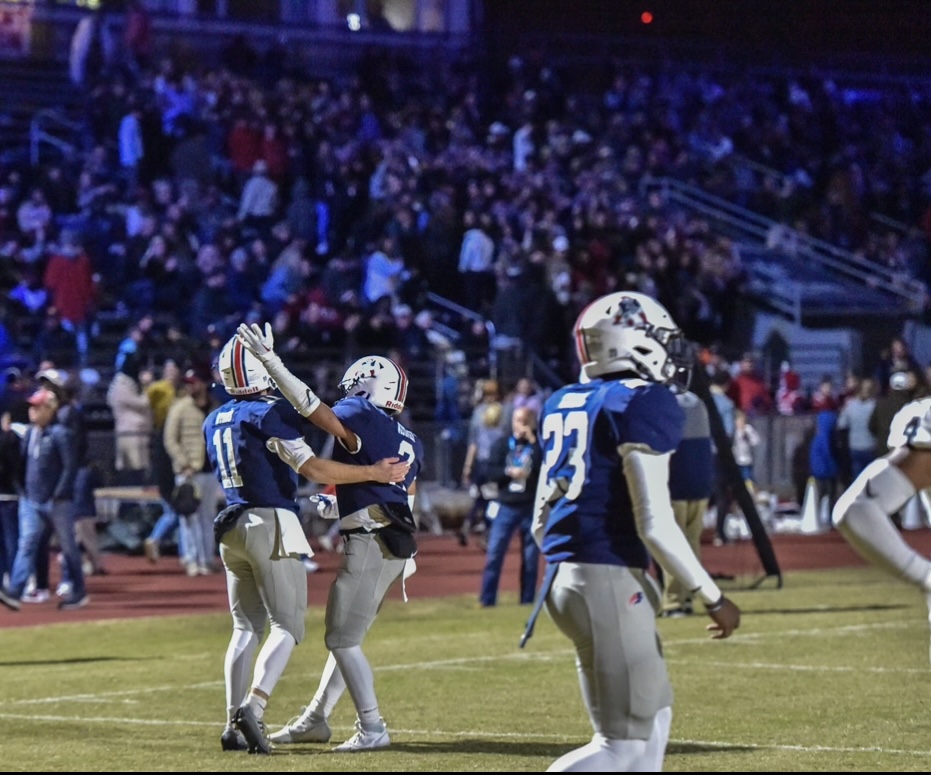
{"x":378,"y":379}
{"x":628,"y":331}
{"x":241,"y":373}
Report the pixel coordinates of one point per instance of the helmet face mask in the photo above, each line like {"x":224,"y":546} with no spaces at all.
{"x":632,"y":332}
{"x":378,"y":379}
{"x":241,"y":373}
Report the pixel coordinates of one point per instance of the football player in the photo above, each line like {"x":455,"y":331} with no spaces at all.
{"x":603,"y":508}
{"x":256,"y":447}
{"x":377,"y":526}
{"x":863,"y":513}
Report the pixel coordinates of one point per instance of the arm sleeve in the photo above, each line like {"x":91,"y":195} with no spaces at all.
{"x":647,"y":477}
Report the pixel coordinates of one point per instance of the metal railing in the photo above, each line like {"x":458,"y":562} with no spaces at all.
{"x":468,"y":314}
{"x":840,"y":264}
{"x":47,"y":128}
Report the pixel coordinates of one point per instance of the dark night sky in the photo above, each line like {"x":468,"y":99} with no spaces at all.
{"x":838,"y":26}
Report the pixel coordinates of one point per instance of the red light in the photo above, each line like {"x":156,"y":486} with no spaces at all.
{"x":646,"y":17}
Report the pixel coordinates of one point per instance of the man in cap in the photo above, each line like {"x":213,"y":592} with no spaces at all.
{"x":184,"y":441}
{"x":47,"y":498}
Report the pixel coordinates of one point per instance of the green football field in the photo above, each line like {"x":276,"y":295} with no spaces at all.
{"x":829,"y":673}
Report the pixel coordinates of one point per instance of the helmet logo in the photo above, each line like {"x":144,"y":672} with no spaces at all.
{"x":629,"y":313}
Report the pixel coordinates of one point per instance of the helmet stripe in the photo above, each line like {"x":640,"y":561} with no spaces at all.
{"x":580,"y":346}
{"x":239,"y":364}
{"x":401,"y":393}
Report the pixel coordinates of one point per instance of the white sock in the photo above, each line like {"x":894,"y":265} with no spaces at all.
{"x":601,"y":755}
{"x":361,"y":684}
{"x":236,"y":669}
{"x":331,"y":688}
{"x":272,"y":660}
{"x":257,"y":702}
{"x":652,"y":759}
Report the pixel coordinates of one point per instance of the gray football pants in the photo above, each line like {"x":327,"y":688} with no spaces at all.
{"x":366,"y":574}
{"x":259,"y":587}
{"x":609,"y":613}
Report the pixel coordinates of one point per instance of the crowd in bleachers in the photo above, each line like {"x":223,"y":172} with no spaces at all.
{"x":204,"y":196}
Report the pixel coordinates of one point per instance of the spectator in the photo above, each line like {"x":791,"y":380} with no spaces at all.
{"x":527,"y":394}
{"x":47,"y":499}
{"x":137,"y":36}
{"x":135,"y":342}
{"x":854,"y":418}
{"x":514,"y":465}
{"x":384,"y":273}
{"x":162,"y":393}
{"x":823,"y":455}
{"x":896,"y":358}
{"x":903,"y":387}
{"x":132,"y":420}
{"x":34,"y":217}
{"x":71,"y":415}
{"x":790,"y":400}
{"x":409,"y":339}
{"x":476,"y":263}
{"x":824,"y":398}
{"x":691,"y":483}
{"x":258,"y":204}
{"x":69,"y":278}
{"x":10,"y":461}
{"x":748,"y":391}
{"x":130,"y":145}
{"x":746,"y":440}
{"x":486,"y":426}
{"x":187,"y":448}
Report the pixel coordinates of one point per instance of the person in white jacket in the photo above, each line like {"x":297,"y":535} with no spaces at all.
{"x":132,"y":419}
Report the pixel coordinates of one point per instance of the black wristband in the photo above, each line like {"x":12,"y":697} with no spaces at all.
{"x":716,"y":606}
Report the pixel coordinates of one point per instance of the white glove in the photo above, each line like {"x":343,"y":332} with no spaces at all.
{"x":327,"y":507}
{"x":261,"y":345}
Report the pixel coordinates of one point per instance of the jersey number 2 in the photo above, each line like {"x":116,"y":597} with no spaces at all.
{"x":226,"y":459}
{"x":556,"y":428}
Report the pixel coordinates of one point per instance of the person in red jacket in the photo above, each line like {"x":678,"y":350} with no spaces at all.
{"x":243,"y":143}
{"x":72,"y":287}
{"x":748,"y":390}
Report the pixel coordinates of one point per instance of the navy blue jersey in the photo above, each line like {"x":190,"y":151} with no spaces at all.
{"x":248,"y":471}
{"x":581,"y":428}
{"x":381,"y":436}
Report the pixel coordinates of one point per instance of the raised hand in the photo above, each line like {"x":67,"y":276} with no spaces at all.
{"x":260,"y":344}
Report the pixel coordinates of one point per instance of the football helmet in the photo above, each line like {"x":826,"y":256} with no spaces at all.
{"x":628,"y":331}
{"x":241,"y":373}
{"x":378,"y":379}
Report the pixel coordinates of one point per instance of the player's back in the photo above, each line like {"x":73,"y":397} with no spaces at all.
{"x":249,"y":473}
{"x":382,"y":436}
{"x":582,"y":427}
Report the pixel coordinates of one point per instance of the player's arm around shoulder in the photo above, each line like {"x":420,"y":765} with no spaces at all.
{"x":385,"y":471}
